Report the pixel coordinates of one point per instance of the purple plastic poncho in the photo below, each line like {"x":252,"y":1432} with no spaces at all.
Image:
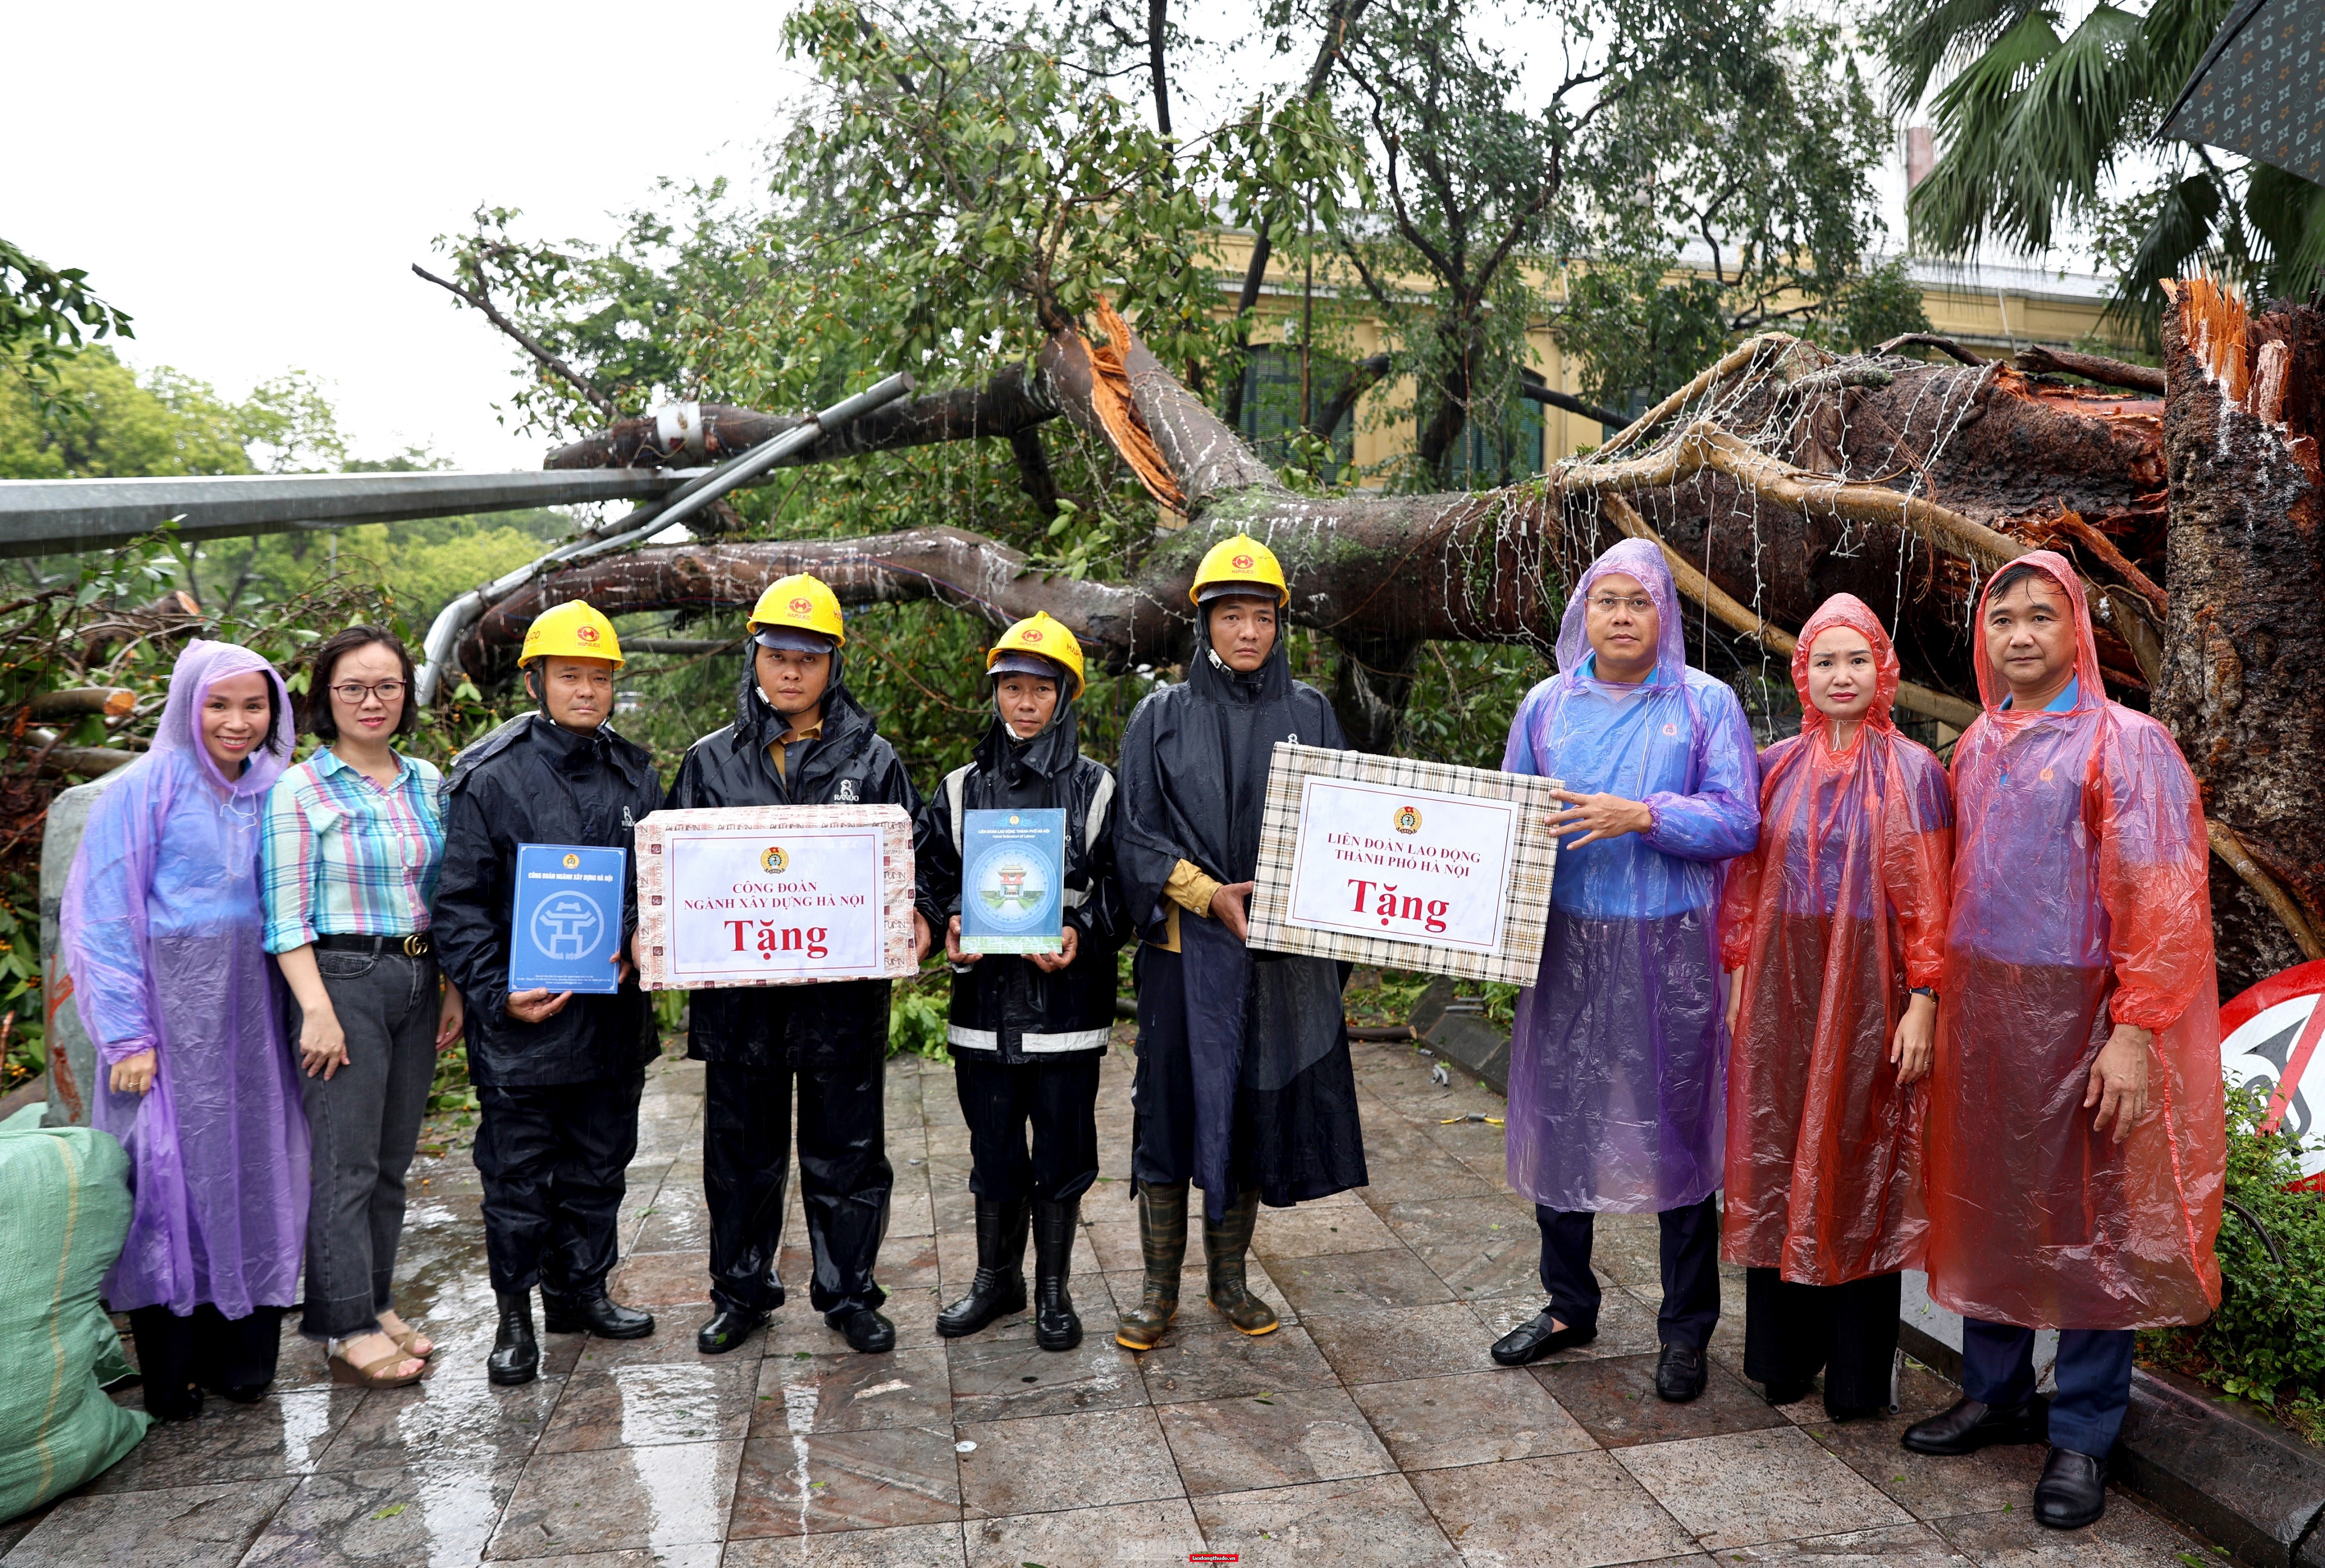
{"x":1618,"y":1056}
{"x":161,"y":923}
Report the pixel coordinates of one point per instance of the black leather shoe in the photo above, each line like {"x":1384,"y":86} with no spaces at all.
{"x":2072,"y":1492}
{"x":1969,"y":1426}
{"x":240,"y":1393}
{"x":517,"y":1354}
{"x":1536,"y":1338}
{"x":1056,"y":1325}
{"x":866,"y":1330}
{"x":598,"y":1315}
{"x":1791,"y":1393}
{"x":1681,"y":1375}
{"x":727,"y":1328}
{"x":998,"y":1287}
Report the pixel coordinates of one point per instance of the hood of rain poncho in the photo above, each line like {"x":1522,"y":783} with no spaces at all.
{"x":1642,"y":560}
{"x":1617,"y":1056}
{"x":2081,"y":899}
{"x":1840,"y":909}
{"x":1019,"y":764}
{"x":1677,"y":742}
{"x":1266,"y":1039}
{"x":162,"y":925}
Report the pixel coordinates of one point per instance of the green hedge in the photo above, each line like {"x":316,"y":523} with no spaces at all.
{"x":2267,"y":1342}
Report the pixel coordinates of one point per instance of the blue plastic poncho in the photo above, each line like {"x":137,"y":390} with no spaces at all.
{"x":1618,"y":1060}
{"x":162,"y":923}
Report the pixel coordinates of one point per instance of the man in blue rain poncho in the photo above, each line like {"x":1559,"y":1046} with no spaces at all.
{"x":1618,"y":1062}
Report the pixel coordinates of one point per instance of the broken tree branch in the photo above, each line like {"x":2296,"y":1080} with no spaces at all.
{"x":2233,"y":853}
{"x":482,"y":302}
{"x":2035,"y":360}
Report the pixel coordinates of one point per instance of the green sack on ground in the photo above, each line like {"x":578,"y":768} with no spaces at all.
{"x":66,"y":1194}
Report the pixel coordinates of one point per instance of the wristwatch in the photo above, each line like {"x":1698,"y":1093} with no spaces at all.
{"x":1928,"y":991}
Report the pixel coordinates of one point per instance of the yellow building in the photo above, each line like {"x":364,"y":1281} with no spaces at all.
{"x":1992,"y":310}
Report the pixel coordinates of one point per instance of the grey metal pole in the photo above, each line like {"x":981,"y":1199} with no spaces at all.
{"x":453,"y":620}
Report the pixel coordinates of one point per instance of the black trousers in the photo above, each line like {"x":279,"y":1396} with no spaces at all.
{"x":554,"y":1159}
{"x":209,"y":1349}
{"x":1691,"y":1267}
{"x":1058,"y":1100}
{"x":1846,"y":1332}
{"x":844,"y":1179}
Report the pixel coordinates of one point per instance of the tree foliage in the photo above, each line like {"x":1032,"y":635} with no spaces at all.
{"x":47,"y":313}
{"x":2043,"y":127}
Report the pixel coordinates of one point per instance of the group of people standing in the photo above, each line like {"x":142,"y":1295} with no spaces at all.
{"x":1902,"y":1019}
{"x":1963,"y":1025}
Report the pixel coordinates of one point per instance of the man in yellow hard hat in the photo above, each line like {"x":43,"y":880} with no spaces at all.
{"x":1245,"y":1087}
{"x":558,"y":1077}
{"x":800,"y":738}
{"x":1029,"y":1032}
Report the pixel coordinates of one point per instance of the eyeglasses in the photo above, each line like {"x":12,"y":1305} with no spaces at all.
{"x":1638,"y":604}
{"x":353,"y":692}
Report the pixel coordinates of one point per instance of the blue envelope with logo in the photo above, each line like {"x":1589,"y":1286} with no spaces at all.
{"x":568,"y":922}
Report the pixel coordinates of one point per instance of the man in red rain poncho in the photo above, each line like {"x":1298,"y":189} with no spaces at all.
{"x":1834,"y":936}
{"x":2075,"y":1150}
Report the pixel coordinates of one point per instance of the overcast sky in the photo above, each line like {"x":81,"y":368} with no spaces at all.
{"x":252,"y":181}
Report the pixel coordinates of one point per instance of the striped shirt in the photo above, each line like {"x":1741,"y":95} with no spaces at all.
{"x":341,"y":856}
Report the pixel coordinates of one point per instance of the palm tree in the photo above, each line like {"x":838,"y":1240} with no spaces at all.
{"x":2034,"y":122}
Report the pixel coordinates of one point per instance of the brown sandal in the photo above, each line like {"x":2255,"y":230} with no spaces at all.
{"x":375,"y":1374}
{"x":404,"y":1342}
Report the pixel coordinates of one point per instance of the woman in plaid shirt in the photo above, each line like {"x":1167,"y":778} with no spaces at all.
{"x":353,"y":842}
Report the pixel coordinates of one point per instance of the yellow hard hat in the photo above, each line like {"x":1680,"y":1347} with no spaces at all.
{"x":575,"y":629}
{"x":1243,"y":561}
{"x":801,"y":603}
{"x":1045,"y":638}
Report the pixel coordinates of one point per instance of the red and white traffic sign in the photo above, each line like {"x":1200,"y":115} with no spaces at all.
{"x":2269,"y":1040}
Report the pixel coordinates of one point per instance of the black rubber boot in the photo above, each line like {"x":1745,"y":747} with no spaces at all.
{"x":517,"y":1354}
{"x":999,"y":1288}
{"x":1055,"y":1325}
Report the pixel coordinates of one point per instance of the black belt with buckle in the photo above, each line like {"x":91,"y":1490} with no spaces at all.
{"x":415,"y":945}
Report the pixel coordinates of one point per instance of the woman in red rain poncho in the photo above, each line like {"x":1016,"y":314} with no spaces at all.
{"x":1833,"y":934}
{"x":2075,"y":1149}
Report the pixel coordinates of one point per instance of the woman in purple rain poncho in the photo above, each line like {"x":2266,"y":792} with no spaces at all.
{"x":162,"y":922}
{"x":1618,"y":1060}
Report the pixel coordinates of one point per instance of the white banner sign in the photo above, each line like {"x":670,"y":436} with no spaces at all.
{"x":1409,"y":865}
{"x":801,"y":904}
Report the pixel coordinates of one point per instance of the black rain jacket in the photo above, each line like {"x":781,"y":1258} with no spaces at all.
{"x":1003,"y":1007}
{"x":836,"y":1021}
{"x":532,"y":781}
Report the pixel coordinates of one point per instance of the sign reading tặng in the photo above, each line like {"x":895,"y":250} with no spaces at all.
{"x":773,"y":895}
{"x":1408,"y":865}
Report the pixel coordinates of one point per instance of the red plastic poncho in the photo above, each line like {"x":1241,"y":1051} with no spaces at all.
{"x":2081,"y":900}
{"x":1830,"y":919}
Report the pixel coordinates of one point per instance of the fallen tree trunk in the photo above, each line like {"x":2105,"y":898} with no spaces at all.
{"x":1785,"y":474}
{"x":2246,"y":580}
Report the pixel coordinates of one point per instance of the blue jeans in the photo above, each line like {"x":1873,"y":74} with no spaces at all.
{"x":2094,"y":1374}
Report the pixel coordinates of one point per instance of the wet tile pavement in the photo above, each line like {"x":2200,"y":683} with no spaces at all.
{"x":1371,"y":1428}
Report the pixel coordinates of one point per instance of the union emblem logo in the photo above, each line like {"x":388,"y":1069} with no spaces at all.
{"x":1243,"y":562}
{"x":585,"y":634}
{"x":1031,"y":634}
{"x":1407,"y":819}
{"x":803,"y":606}
{"x":572,"y":861}
{"x":775,"y":861}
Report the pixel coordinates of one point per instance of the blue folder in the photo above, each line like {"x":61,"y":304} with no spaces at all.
{"x":1013,"y":881}
{"x":568,"y":923}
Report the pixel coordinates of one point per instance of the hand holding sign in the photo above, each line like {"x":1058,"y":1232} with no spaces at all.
{"x":1599,"y":816}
